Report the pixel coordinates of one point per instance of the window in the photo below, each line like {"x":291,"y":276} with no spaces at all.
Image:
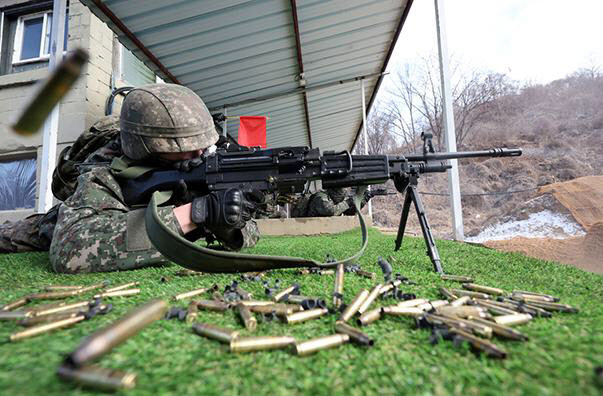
{"x":133,"y":71}
{"x":32,"y":37}
{"x":17,"y":184}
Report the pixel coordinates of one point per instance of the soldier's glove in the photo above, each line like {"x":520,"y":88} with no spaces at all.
{"x":225,"y":209}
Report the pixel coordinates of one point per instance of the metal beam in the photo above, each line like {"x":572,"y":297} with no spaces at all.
{"x":448,"y":115}
{"x":300,"y":64}
{"x":370,"y":206}
{"x":51,"y":125}
{"x":113,"y":18}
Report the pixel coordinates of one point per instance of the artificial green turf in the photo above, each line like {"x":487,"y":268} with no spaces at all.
{"x":559,"y":358}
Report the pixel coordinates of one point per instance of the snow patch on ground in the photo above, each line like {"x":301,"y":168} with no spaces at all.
{"x":545,"y":224}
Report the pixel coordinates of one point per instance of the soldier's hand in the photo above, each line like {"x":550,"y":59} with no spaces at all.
{"x":188,"y":164}
{"x":228,"y":209}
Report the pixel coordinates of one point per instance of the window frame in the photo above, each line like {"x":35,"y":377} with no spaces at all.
{"x":44,"y":39}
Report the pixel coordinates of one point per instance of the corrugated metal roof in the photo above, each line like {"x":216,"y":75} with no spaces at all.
{"x":231,"y":52}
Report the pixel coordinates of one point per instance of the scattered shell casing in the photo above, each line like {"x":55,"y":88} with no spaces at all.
{"x":477,"y":328}
{"x":91,"y":287}
{"x":279,"y":309}
{"x":372,"y":296}
{"x":214,"y":332}
{"x":51,"y":288}
{"x":530,"y":298}
{"x":484,"y":289}
{"x":36,"y":320}
{"x":412,"y":303}
{"x":243,"y":293}
{"x":191,"y":312}
{"x":460,"y":301}
{"x":529,"y":293}
{"x":97,"y":377}
{"x":456,"y":278}
{"x":510,"y":320}
{"x":191,"y":293}
{"x":283,"y":293}
{"x":117,"y":293}
{"x":464,"y":311}
{"x":432,"y":305}
{"x":447,"y":293}
{"x":551,"y":306}
{"x":317,"y":344}
{"x":367,"y":274}
{"x":117,"y":332}
{"x":338,"y":288}
{"x":43,"y":328}
{"x":474,"y":294}
{"x":486,"y":346}
{"x":500,"y":330}
{"x":297,"y":299}
{"x":495,"y":309}
{"x":356,"y":335}
{"x":256,"y":303}
{"x":250,"y":344}
{"x":122,"y":287}
{"x":302,"y":316}
{"x":402,"y":311}
{"x":247,"y":317}
{"x":354,"y":305}
{"x":12,"y":315}
{"x":369,"y":317}
{"x":212,"y":305}
{"x":63,"y":307}
{"x":15,"y":304}
{"x":53,"y":295}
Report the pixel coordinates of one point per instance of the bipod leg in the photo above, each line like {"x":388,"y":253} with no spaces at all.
{"x":432,"y":249}
{"x":403,"y":220}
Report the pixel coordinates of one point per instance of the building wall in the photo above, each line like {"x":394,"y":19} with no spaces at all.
{"x":81,"y":107}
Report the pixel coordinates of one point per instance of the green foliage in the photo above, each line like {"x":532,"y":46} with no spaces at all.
{"x":559,"y":358}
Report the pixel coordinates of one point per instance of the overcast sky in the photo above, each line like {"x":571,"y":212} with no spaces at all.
{"x":530,"y":40}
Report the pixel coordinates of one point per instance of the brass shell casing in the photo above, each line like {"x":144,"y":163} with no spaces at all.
{"x":296,"y":299}
{"x":367,"y":274}
{"x":117,"y":293}
{"x":15,"y":304}
{"x":531,"y":298}
{"x":500,"y":330}
{"x":494,"y":308}
{"x":477,"y":328}
{"x":214,"y":332}
{"x":191,"y":312}
{"x":460,"y":301}
{"x":510,"y":320}
{"x":317,"y":344}
{"x":412,"y":303}
{"x":281,"y":295}
{"x":338,"y":288}
{"x":483,"y":345}
{"x":250,"y":344}
{"x":36,"y":320}
{"x":372,"y":296}
{"x":464,"y":311}
{"x":303,"y":316}
{"x":456,"y":278}
{"x":63,"y":307}
{"x":53,"y":295}
{"x":447,"y":293}
{"x":369,"y":317}
{"x":402,"y":311}
{"x":212,"y":305}
{"x":279,"y":309}
{"x":97,"y":377}
{"x":356,"y":335}
{"x":122,"y":287}
{"x":191,"y":293}
{"x":474,"y":294}
{"x":51,"y":288}
{"x":432,"y":305}
{"x":43,"y":328}
{"x":247,"y":317}
{"x":550,"y":306}
{"x":12,"y":315}
{"x":529,"y":293}
{"x":354,"y":305}
{"x":484,"y":289}
{"x":256,"y":303}
{"x":243,"y":293}
{"x":117,"y":332}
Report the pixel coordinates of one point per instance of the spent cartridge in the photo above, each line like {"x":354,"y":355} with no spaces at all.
{"x":510,"y":320}
{"x":474,"y":294}
{"x":15,"y":304}
{"x":480,"y":344}
{"x":214,"y":332}
{"x":351,"y":309}
{"x":250,"y":344}
{"x":212,"y":305}
{"x":447,"y":293}
{"x":338,"y":288}
{"x":460,"y":301}
{"x":104,"y":340}
{"x":44,"y":328}
{"x":369,"y":317}
{"x":97,"y":378}
{"x":247,"y":317}
{"x":303,"y":316}
{"x":456,"y":278}
{"x":356,"y":336}
{"x":280,"y":296}
{"x":194,"y":293}
{"x":122,"y":287}
{"x":484,"y":289}
{"x":500,"y":330}
{"x":372,"y":296}
{"x":191,"y":312}
{"x":117,"y":293}
{"x":317,"y":344}
{"x":402,"y":311}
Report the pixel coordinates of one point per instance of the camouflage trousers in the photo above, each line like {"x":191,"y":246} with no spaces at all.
{"x":31,"y":234}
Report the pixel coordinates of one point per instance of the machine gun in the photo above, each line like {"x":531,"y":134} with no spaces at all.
{"x":287,"y":170}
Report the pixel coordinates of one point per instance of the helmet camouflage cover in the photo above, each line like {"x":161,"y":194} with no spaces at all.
{"x":164,"y":118}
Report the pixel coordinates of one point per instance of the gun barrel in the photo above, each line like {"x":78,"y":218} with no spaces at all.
{"x":495,"y":152}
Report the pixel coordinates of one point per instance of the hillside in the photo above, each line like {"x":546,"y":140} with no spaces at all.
{"x":560,"y":128}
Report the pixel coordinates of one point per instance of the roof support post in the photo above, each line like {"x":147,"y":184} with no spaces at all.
{"x":365,"y":135}
{"x":225,"y":123}
{"x":448,"y":115}
{"x":51,"y":125}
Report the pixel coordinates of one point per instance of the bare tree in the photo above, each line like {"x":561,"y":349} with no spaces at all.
{"x":380,"y":127}
{"x":415,"y":101}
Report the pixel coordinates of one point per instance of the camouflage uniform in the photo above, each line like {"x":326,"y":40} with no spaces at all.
{"x":332,"y":202}
{"x":95,"y":230}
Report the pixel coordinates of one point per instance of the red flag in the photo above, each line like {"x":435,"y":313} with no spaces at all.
{"x":252,"y":131}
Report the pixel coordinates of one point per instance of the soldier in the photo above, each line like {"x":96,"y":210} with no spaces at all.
{"x":331,"y":202}
{"x":161,"y":125}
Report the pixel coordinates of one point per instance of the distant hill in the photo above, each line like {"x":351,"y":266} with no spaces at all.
{"x":560,"y":128}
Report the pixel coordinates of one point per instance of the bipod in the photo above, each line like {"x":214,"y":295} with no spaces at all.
{"x":413,"y":196}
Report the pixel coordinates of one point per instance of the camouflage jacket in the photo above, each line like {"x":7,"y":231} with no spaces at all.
{"x":96,"y":231}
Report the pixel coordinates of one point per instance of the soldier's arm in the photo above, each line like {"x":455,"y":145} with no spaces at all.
{"x":97,"y":232}
{"x":322,"y":206}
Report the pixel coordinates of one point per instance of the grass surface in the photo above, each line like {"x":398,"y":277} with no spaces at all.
{"x":559,"y":358}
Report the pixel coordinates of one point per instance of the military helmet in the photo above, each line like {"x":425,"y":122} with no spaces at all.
{"x":164,"y":118}
{"x":337,"y":194}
